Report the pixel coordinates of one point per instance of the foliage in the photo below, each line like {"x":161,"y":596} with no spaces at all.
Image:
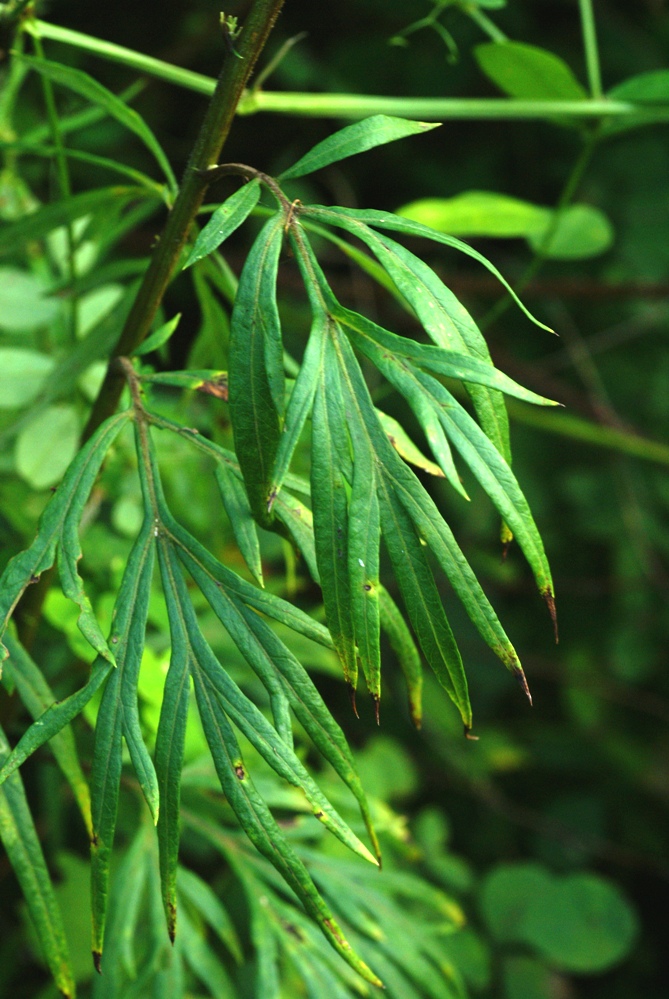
{"x":219,"y":736}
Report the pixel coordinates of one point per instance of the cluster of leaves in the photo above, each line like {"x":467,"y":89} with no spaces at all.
{"x":359,"y":489}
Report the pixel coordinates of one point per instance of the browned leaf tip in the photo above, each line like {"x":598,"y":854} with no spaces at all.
{"x":468,"y":734}
{"x":351,"y":694}
{"x":172,"y":921}
{"x":376,"y":701}
{"x":522,"y":680}
{"x":97,"y":961}
{"x":550,"y":603}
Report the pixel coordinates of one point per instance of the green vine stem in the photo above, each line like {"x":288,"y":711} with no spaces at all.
{"x":234,"y":77}
{"x":590,"y":47}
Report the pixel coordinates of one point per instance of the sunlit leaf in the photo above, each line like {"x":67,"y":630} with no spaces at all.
{"x":356,"y":138}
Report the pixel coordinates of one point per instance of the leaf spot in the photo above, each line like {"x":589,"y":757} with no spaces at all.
{"x":240,"y":773}
{"x":360,"y":562}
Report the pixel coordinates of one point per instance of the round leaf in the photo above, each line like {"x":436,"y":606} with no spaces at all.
{"x":582,"y":231}
{"x":528,"y":72}
{"x":581,"y":923}
{"x":23,"y":305}
{"x":506,"y":896}
{"x":47,"y":445}
{"x":22,"y":374}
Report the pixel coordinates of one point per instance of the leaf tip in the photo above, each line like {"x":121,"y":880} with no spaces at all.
{"x":468,"y":734}
{"x":519,"y":674}
{"x":351,"y":694}
{"x":97,"y":961}
{"x":376,"y":700}
{"x":549,"y":597}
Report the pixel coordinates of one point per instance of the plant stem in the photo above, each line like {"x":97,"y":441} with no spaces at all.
{"x":206,"y":152}
{"x":590,"y":46}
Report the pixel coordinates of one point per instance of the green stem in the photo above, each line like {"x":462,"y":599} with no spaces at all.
{"x":434,"y":108}
{"x":485,"y":24}
{"x":206,"y":152}
{"x":590,"y":47}
{"x":64,"y":186}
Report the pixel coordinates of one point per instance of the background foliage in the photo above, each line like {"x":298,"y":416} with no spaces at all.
{"x":566,"y":802}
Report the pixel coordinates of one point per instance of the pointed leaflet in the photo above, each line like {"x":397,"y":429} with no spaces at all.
{"x":158,"y":338}
{"x":237,"y":507}
{"x":348,"y":217}
{"x":269,"y":743}
{"x":357,"y":138}
{"x":171,"y":735}
{"x":494,"y":474}
{"x":444,"y":319}
{"x":37,"y":696}
{"x":279,"y":670}
{"x":226,"y":219}
{"x":256,"y":380}
{"x":431,"y":525}
{"x":127,"y":638}
{"x":301,"y":401}
{"x":21,"y":842}
{"x":421,"y":599}
{"x":91,"y":90}
{"x":257,"y":822}
{"x":484,"y":459}
{"x":364,"y":534}
{"x":68,"y":502}
{"x":404,"y":446}
{"x":331,"y":473}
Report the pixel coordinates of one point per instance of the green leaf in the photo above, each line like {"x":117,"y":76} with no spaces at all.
{"x":22,"y":375}
{"x":274,"y":749}
{"x":37,"y":696}
{"x":300,"y":403}
{"x":578,"y":231}
{"x":46,"y":446}
{"x":171,"y":735}
{"x":582,"y":231}
{"x":651,"y":91}
{"x":203,"y":961}
{"x":158,"y":337}
{"x":422,"y":601}
{"x":201,"y":897}
{"x":256,"y":379}
{"x":257,"y":822}
{"x":348,"y":217}
{"x":331,"y":472}
{"x":39,"y":224}
{"x":24,"y":305}
{"x":225,"y":220}
{"x":528,"y":72}
{"x":88,"y":88}
{"x":404,"y":446}
{"x":210,"y":382}
{"x":117,"y":716}
{"x":241,"y":520}
{"x":70,"y":498}
{"x":21,"y":842}
{"x":353,"y":139}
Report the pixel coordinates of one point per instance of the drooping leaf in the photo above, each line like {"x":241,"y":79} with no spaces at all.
{"x":205,"y":901}
{"x":37,"y":696}
{"x":348,"y":217}
{"x":356,"y":138}
{"x":257,"y":822}
{"x":225,"y":220}
{"x":331,"y":475}
{"x":113,"y":721}
{"x":21,"y":842}
{"x":68,"y":501}
{"x":404,"y":446}
{"x":38,"y":224}
{"x":256,"y":380}
{"x":528,"y":72}
{"x":84,"y":85}
{"x":403,"y":645}
{"x":238,"y":510}
{"x":422,"y":601}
